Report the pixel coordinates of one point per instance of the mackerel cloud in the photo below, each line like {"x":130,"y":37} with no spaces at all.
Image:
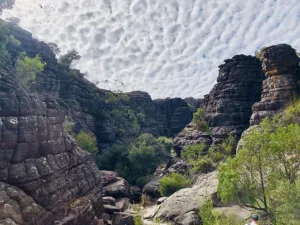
{"x":169,"y":48}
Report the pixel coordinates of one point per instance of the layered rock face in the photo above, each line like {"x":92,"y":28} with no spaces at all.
{"x":60,"y":180}
{"x":88,"y":106}
{"x":229,"y":103}
{"x":282,"y":72}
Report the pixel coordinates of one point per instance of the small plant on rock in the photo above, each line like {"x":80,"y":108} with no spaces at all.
{"x":28,"y":68}
{"x":86,"y":141}
{"x":199,"y":120}
{"x":172,"y":183}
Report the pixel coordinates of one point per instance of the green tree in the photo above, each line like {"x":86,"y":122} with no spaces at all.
{"x":27,"y":69}
{"x":145,"y":154}
{"x":267,"y":166}
{"x":86,"y":141}
{"x":173,"y":182}
{"x":68,"y":59}
{"x":199,"y":120}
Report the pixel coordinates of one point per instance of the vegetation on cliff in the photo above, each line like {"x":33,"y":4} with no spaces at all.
{"x":264,"y":175}
{"x":199,"y":120}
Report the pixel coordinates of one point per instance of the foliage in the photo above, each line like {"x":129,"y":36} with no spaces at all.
{"x":251,"y":180}
{"x":145,"y":154}
{"x":208,"y":218}
{"x":68,"y":59}
{"x":86,"y":141}
{"x":199,"y":120}
{"x":138,"y":217}
{"x":172,"y":183}
{"x":197,"y":158}
{"x":27,"y":68}
{"x":68,"y":126}
{"x":138,"y":160}
{"x":54,"y":48}
{"x":7,"y":40}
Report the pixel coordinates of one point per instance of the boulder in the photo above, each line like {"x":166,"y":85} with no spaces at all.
{"x":120,"y":188}
{"x":108,"y":200}
{"x":182,"y":207}
{"x":110,"y":209}
{"x":122,"y":219}
{"x":123,"y":204}
{"x":236,"y":212}
{"x":108,"y":177}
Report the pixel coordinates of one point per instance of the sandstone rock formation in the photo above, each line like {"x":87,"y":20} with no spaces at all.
{"x":239,"y":86}
{"x":189,"y":136}
{"x":90,"y":107}
{"x":282,"y":72}
{"x":60,"y":180}
{"x":228,"y":105}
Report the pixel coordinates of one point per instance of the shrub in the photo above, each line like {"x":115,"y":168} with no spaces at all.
{"x":68,"y":126}
{"x":145,"y":154}
{"x":199,"y":120}
{"x":68,"y":59}
{"x":264,"y":175}
{"x":86,"y":141}
{"x":172,"y":183}
{"x":197,"y":158}
{"x":27,"y":68}
{"x":138,"y":217}
{"x":209,"y":218}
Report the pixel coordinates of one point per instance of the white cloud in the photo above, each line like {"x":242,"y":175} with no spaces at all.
{"x":168,"y":48}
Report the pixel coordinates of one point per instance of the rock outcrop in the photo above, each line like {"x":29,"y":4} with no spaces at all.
{"x":189,"y":136}
{"x":39,"y":159}
{"x":282,"y":72}
{"x":229,"y":103}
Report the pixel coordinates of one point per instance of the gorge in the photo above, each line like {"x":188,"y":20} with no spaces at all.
{"x":45,"y":178}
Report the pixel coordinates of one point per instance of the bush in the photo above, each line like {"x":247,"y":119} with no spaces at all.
{"x":197,"y":158}
{"x":27,"y":69}
{"x":68,"y":59}
{"x":136,"y":162}
{"x":145,"y":154}
{"x":199,"y":120}
{"x":86,"y":141}
{"x":172,"y":183}
{"x":208,"y":218}
{"x":264,"y":175}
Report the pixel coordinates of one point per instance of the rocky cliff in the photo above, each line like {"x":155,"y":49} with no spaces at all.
{"x":44,"y":177}
{"x":282,"y":72}
{"x":228,"y":105}
{"x":94,"y":109}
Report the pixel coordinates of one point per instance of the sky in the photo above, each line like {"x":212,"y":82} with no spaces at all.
{"x":168,"y":48}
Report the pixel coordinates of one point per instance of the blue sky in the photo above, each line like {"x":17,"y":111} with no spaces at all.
{"x":169,"y":48}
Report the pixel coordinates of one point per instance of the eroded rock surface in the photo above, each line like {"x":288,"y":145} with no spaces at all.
{"x":228,"y":105}
{"x":282,"y":72}
{"x":239,"y":86}
{"x":40,"y":159}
